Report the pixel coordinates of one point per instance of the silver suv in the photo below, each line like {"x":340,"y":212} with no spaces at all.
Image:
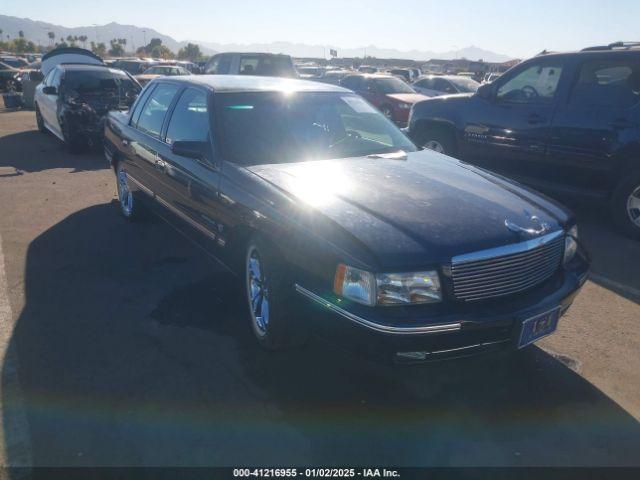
{"x":260,"y":64}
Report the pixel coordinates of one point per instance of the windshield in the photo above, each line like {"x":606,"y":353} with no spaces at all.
{"x":268,"y":127}
{"x":392,"y":85}
{"x":465,"y":85}
{"x":100,"y":82}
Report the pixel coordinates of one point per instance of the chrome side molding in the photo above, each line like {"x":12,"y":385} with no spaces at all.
{"x":427,"y":329}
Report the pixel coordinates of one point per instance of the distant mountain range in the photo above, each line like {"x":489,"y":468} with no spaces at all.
{"x":137,"y":36}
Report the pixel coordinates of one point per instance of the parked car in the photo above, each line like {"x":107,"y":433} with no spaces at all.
{"x":134,"y":66}
{"x":8,"y":76}
{"x":159,"y":71}
{"x":312,"y":198}
{"x":367,"y":69}
{"x":260,"y":64}
{"x":490,"y":77}
{"x":393,"y":97}
{"x":15,"y":62}
{"x":308,"y":72}
{"x":405,"y":73}
{"x":436,"y":85}
{"x":73,"y":99}
{"x":334,"y":77}
{"x":564,"y":123}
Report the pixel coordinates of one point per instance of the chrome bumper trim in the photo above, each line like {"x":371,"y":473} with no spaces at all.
{"x":427,"y":329}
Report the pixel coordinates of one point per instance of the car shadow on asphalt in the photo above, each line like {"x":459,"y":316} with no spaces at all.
{"x":133,"y":349}
{"x":33,"y":151}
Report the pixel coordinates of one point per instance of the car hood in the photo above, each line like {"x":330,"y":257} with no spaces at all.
{"x":407,"y":97}
{"x":414,"y":209}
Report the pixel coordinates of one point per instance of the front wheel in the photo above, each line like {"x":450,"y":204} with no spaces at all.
{"x":40,"y":120}
{"x":625,"y":205}
{"x":271,"y":299}
{"x":387,"y":112}
{"x":439,"y":140}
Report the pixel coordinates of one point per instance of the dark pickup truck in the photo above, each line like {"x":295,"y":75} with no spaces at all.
{"x":565,"y":124}
{"x":312,"y":197}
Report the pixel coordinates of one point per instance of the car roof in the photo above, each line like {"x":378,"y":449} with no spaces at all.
{"x":589,"y":53}
{"x":248,"y":83}
{"x":83,"y":66}
{"x":373,"y":75}
{"x":265,"y":54}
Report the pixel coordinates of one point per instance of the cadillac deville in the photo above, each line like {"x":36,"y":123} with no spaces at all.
{"x":313,"y":198}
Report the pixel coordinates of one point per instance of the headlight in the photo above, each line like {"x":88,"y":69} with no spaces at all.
{"x":404,"y":106}
{"x":355,"y":284}
{"x":570,"y":244}
{"x":387,"y":288}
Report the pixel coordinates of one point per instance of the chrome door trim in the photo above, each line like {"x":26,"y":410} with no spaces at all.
{"x":201,"y":228}
{"x":507,"y":249}
{"x":427,"y":329}
{"x":139,"y":184}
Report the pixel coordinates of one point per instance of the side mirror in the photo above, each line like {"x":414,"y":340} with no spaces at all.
{"x":485,"y":91}
{"x":50,"y":90}
{"x":190,"y":149}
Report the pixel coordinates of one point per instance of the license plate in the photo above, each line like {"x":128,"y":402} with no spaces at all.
{"x":535,"y":328}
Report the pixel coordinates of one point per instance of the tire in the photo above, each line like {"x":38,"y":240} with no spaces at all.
{"x":625,"y":205}
{"x":270,"y":298}
{"x":127,"y":204}
{"x":438,"y":139}
{"x":40,"y":121}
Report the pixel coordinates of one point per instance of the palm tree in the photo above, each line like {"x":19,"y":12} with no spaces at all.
{"x":21,"y":34}
{"x":51,"y":36}
{"x":83,"y":40}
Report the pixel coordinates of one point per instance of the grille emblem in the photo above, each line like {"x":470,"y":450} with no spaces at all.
{"x":540,"y":226}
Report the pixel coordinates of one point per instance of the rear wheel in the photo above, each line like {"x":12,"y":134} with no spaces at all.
{"x":40,"y":120}
{"x":625,"y":205}
{"x":271,"y":299}
{"x":439,"y":140}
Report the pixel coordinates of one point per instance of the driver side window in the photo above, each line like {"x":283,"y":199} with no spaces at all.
{"x":536,"y":84}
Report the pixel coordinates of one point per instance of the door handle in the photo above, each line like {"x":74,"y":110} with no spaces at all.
{"x":160,"y":164}
{"x":622,"y":124}
{"x":535,"y":119}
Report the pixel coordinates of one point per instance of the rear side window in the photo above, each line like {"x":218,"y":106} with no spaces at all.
{"x":267,"y":65}
{"x":189,"y":120}
{"x":607,"y":83}
{"x":140,"y":105}
{"x":154,"y":111}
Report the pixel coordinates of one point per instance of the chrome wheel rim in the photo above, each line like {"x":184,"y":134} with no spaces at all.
{"x":387,"y":113}
{"x":258,"y":292}
{"x":633,"y":207}
{"x":434,"y":145}
{"x":124,"y":193}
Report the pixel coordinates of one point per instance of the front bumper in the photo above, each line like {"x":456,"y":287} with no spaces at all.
{"x":448,"y":330}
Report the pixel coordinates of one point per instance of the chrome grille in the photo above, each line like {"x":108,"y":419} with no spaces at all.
{"x":506,"y":270}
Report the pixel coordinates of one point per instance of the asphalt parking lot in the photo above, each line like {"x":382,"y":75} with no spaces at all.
{"x":124,"y":345}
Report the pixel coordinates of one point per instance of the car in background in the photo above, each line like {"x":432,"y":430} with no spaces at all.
{"x":334,"y":77}
{"x":310,"y":72}
{"x":8,"y":77}
{"x":134,"y":66}
{"x":490,"y":77}
{"x":393,"y":97}
{"x":160,"y":71}
{"x":367,"y":69}
{"x":331,"y":219}
{"x":73,"y":99}
{"x":260,"y":64}
{"x":567,"y":124}
{"x":437,"y":85}
{"x":15,"y":62}
{"x":405,"y":73}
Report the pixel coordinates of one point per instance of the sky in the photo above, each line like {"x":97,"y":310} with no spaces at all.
{"x":517,"y":28}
